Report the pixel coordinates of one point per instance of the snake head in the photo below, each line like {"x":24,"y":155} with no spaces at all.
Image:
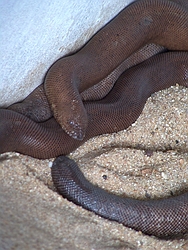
{"x":72,"y":117}
{"x":62,"y":91}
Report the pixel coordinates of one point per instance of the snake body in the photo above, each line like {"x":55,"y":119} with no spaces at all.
{"x":162,"y":218}
{"x":31,"y":129}
{"x":146,"y":21}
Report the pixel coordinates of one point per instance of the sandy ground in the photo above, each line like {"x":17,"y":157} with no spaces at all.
{"x":148,"y":159}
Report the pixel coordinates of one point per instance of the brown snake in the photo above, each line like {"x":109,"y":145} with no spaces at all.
{"x":131,"y":35}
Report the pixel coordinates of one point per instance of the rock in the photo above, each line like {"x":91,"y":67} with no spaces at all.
{"x":34,"y":35}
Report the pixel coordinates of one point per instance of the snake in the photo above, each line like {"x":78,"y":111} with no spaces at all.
{"x":144,"y":49}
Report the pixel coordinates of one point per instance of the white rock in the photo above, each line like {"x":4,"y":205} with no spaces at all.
{"x":36,"y":33}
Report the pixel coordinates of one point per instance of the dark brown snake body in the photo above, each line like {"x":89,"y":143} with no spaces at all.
{"x":132,"y":35}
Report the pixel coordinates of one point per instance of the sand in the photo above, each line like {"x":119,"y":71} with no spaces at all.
{"x":150,"y":159}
